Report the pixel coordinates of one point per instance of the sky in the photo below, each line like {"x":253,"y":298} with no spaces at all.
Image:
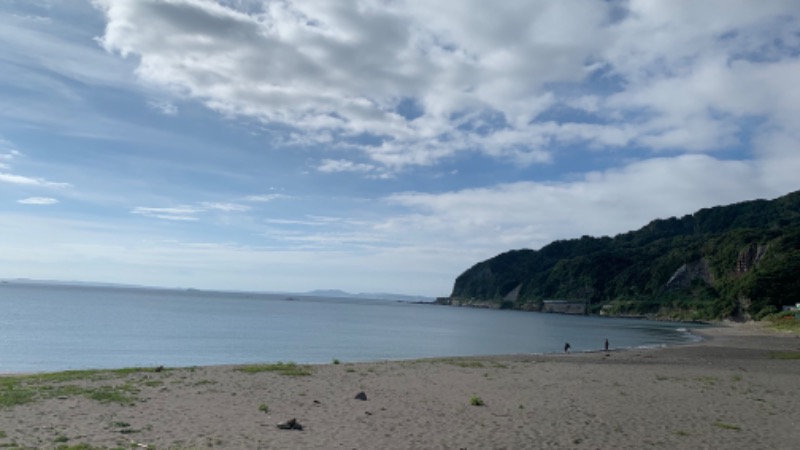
{"x":375,"y":145}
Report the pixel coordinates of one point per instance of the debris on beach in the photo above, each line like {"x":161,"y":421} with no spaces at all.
{"x":361,"y":396}
{"x":291,"y":424}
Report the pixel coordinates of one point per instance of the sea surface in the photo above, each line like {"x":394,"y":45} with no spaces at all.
{"x":54,"y":327}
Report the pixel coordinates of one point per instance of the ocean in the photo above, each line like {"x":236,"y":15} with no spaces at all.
{"x":47,"y":328}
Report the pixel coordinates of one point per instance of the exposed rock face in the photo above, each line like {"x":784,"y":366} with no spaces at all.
{"x":512,"y":296}
{"x":750,"y":257}
{"x":687,"y":273}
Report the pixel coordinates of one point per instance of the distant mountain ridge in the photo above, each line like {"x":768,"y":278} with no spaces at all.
{"x":336,"y":293}
{"x":740,"y":261}
{"x":333,"y":293}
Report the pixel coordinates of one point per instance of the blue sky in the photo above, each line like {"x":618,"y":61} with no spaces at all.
{"x":374,"y":145}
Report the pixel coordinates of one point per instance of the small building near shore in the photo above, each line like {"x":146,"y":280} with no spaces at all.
{"x":564,"y":306}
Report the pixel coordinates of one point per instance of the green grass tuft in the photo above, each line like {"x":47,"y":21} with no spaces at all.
{"x":18,"y":390}
{"x":727,"y":426}
{"x":476,"y":401}
{"x":288,"y":369}
{"x":790,"y":355}
{"x":466,"y":363}
{"x":784,"y":321}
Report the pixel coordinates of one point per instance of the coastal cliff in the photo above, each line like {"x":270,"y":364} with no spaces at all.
{"x":737,"y":261}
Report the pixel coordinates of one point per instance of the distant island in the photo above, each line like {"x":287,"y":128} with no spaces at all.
{"x":740,"y":261}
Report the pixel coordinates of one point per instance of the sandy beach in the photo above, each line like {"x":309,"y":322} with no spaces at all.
{"x":738,"y":389}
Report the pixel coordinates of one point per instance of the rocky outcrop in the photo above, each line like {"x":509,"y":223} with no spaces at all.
{"x":750,"y":257}
{"x":687,"y":273}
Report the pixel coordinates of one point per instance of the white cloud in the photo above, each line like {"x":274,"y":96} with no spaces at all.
{"x":265,"y":198}
{"x":164,"y":107}
{"x":188,"y":213}
{"x":478,"y":73}
{"x":531,"y":214}
{"x":226,"y":207}
{"x":340,"y":165}
{"x":11,"y":154}
{"x":30,"y":181}
{"x":38,"y":201}
{"x":181,"y":213}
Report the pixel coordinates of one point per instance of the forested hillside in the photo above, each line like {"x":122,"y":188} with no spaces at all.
{"x":741,"y":260}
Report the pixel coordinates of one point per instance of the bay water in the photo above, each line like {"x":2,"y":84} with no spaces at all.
{"x":47,"y":327}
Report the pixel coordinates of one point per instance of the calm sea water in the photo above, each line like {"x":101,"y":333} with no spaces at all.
{"x":49,"y":328}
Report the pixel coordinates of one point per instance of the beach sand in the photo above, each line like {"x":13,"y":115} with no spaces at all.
{"x":739,"y":389}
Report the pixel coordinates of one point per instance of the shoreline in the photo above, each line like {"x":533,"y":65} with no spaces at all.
{"x":735,"y":389}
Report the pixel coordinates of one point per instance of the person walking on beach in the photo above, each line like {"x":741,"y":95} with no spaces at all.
{"x":606,"y":344}
{"x":567,"y":347}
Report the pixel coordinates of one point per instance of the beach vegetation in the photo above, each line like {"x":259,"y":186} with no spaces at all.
{"x":454,"y":361}
{"x":784,"y":321}
{"x":288,"y":369}
{"x":727,"y":426}
{"x":78,"y":447}
{"x":708,"y":380}
{"x":264,"y":408}
{"x":681,"y":433}
{"x":124,"y":395}
{"x":60,"y":438}
{"x":20,"y":389}
{"x":788,"y":355}
{"x":474,"y":400}
{"x":336,"y":361}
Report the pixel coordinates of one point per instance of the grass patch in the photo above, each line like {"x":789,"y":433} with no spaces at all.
{"x":21,"y":389}
{"x":264,"y":407}
{"x":78,"y":447}
{"x":113,"y":394}
{"x":455,"y":361}
{"x":336,"y":361}
{"x":784,"y":321}
{"x":790,"y":355}
{"x":727,"y":426}
{"x":288,"y":369}
{"x":476,"y":401}
{"x":710,"y":381}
